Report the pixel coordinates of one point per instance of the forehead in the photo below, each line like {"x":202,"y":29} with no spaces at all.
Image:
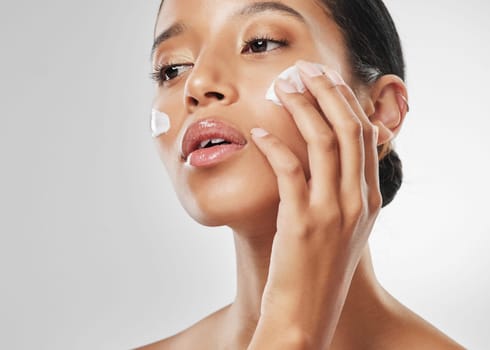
{"x":215,"y":13}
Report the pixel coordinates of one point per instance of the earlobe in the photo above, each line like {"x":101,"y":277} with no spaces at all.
{"x":389,"y":97}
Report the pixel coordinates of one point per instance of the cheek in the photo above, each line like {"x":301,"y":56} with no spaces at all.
{"x":168,"y":143}
{"x":279,"y":122}
{"x":169,"y":102}
{"x":167,"y":156}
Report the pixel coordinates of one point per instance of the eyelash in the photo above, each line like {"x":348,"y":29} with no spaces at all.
{"x":159,"y":71}
{"x":282,"y":42}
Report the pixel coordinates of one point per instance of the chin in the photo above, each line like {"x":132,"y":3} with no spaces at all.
{"x":233,"y":194}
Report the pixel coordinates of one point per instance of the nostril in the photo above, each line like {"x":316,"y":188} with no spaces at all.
{"x":218,"y":95}
{"x":192,"y":101}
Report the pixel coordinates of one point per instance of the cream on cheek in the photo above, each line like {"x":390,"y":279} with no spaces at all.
{"x":291,"y":74}
{"x":160,"y":123}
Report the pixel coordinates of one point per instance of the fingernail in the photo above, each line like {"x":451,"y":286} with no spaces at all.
{"x":258,"y":132}
{"x":286,"y":86}
{"x":310,"y":69}
{"x":334,"y":76}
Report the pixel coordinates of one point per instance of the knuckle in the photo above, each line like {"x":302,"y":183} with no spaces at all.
{"x":325,"y":83}
{"x":273,"y":142}
{"x":329,"y":217}
{"x":355,"y":210}
{"x":369,"y":132}
{"x":375,"y":201}
{"x":327,"y":141}
{"x":353,"y":128}
{"x":323,"y":218}
{"x":333,"y":220}
{"x":347,"y":91}
{"x":303,"y":234}
{"x":302,"y":103}
{"x":276,"y":145}
{"x":302,"y":230}
{"x":291,"y":168}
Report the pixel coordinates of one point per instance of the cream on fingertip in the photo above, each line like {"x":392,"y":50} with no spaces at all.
{"x":160,"y":123}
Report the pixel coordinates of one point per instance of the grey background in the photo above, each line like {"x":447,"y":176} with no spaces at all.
{"x":95,"y":250}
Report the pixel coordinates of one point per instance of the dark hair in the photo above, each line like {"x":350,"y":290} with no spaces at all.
{"x":375,"y":50}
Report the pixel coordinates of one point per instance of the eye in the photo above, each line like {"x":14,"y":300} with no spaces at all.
{"x":260,"y":45}
{"x":173,"y":71}
{"x":169,"y":72}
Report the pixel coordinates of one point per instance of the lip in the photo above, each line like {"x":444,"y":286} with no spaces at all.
{"x":206,"y":129}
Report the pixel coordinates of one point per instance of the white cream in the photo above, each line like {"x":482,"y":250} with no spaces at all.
{"x":291,"y":74}
{"x":160,"y":123}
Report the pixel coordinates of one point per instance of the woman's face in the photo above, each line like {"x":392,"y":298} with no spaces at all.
{"x":225,"y":55}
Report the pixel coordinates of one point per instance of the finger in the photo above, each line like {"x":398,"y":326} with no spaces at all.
{"x":345,"y":123}
{"x":370,"y":137}
{"x":321,"y":141}
{"x":293,"y":189}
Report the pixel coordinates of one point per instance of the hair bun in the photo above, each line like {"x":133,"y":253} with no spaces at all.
{"x":390,"y":176}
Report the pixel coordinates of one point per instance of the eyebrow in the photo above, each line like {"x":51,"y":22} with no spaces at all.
{"x":263,"y":6}
{"x":174,"y":30}
{"x":179,"y":28}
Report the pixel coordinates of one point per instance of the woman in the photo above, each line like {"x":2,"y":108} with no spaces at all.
{"x":299,"y":182}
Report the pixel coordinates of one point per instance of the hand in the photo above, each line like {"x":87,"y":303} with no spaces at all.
{"x":323,"y":222}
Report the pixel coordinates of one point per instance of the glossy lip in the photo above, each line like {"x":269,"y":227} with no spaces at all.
{"x":209,"y":128}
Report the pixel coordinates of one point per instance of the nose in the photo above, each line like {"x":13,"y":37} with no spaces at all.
{"x":210,"y":82}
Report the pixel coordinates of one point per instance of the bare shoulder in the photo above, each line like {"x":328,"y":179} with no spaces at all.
{"x":428,"y":339}
{"x":410,"y":331}
{"x":203,"y":332}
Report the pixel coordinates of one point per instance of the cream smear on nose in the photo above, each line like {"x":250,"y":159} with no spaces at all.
{"x":160,"y":123}
{"x":291,"y":74}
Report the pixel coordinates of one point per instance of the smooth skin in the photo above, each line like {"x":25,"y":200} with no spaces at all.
{"x":304,"y":273}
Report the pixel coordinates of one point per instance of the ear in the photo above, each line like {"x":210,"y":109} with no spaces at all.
{"x":389,"y":106}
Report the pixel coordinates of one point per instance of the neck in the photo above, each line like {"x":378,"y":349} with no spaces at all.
{"x":253,"y":258}
{"x":366,"y":300}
